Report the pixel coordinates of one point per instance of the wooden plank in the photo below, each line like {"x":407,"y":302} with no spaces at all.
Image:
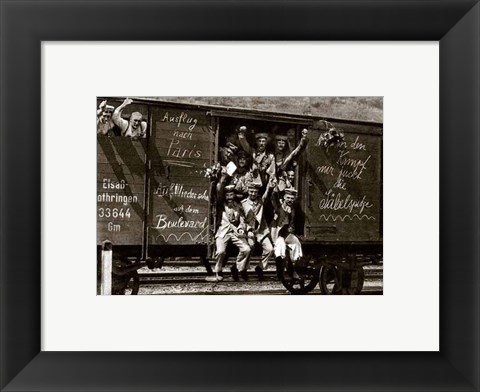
{"x":120,"y":147}
{"x":121,"y":171}
{"x":194,"y":158}
{"x":198,"y":180}
{"x":166,"y":132}
{"x":130,"y":186}
{"x":133,"y":159}
{"x":172,"y":117}
{"x":185,"y":192}
{"x":125,"y":236}
{"x":180,"y":150}
{"x":173,"y":171}
{"x":362,"y":129}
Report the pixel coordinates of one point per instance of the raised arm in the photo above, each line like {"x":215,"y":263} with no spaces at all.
{"x":143,"y":124}
{"x":100,"y":108}
{"x":242,"y":225}
{"x":295,"y":153}
{"x":117,"y":115}
{"x":276,"y":200}
{"x":243,"y":140}
{"x":272,"y":183}
{"x":221,"y":185}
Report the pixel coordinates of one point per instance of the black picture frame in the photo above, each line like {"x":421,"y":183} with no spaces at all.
{"x":24,"y":24}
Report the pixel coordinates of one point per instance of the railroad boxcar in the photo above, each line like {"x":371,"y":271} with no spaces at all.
{"x":156,"y":201}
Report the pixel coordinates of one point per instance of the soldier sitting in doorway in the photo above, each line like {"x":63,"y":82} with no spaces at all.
{"x":135,"y":127}
{"x":231,"y":228}
{"x":283,"y":234}
{"x":257,"y":228}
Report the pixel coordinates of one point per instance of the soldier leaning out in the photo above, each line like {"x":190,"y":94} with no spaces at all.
{"x":257,"y":228}
{"x":231,"y":229}
{"x":135,"y":128}
{"x":263,"y":161}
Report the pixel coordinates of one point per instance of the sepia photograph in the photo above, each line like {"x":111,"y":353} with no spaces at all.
{"x":239,"y":195}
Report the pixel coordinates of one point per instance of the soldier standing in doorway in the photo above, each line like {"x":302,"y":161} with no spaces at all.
{"x":263,"y":162}
{"x":231,"y":228}
{"x":257,"y":228}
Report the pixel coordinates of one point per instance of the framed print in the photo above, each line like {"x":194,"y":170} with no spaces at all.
{"x":26,"y":365}
{"x":180,"y":312}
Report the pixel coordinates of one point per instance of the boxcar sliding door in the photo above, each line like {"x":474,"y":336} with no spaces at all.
{"x":180,"y":150}
{"x":343,"y":188}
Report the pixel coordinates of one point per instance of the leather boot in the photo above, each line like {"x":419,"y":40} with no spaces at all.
{"x":279,"y":263}
{"x":259,"y":272}
{"x":234,"y":271}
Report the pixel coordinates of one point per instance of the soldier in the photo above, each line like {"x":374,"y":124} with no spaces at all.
{"x":283,"y":233}
{"x":105,"y":125}
{"x":257,"y":228}
{"x":283,"y":159}
{"x":136,"y":127}
{"x":243,"y":176}
{"x":263,"y":161}
{"x":231,"y":229}
{"x":227,"y":154}
{"x":281,"y":149}
{"x":287,"y":180}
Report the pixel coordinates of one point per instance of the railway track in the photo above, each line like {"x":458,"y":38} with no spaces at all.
{"x":191,"y":279}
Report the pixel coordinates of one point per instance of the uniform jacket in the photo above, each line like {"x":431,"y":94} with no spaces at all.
{"x":231,"y":220}
{"x":255,"y":221}
{"x":284,"y":217}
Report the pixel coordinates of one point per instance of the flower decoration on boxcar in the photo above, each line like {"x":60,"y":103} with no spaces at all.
{"x":213,"y":172}
{"x":331,"y":137}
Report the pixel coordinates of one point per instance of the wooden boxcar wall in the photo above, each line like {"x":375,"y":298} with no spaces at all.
{"x":343,"y":188}
{"x":180,"y":149}
{"x":121,"y":175}
{"x":154,"y":191}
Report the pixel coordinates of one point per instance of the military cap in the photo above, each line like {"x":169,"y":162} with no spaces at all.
{"x":261,"y":135}
{"x":254,"y":185}
{"x":242,"y":154}
{"x":291,"y":191}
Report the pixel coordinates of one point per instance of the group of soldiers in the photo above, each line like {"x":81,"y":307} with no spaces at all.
{"x":252,"y":180}
{"x":111,"y":123}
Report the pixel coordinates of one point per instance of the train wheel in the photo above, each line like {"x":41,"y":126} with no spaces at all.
{"x":305,"y":279}
{"x":329,"y":280}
